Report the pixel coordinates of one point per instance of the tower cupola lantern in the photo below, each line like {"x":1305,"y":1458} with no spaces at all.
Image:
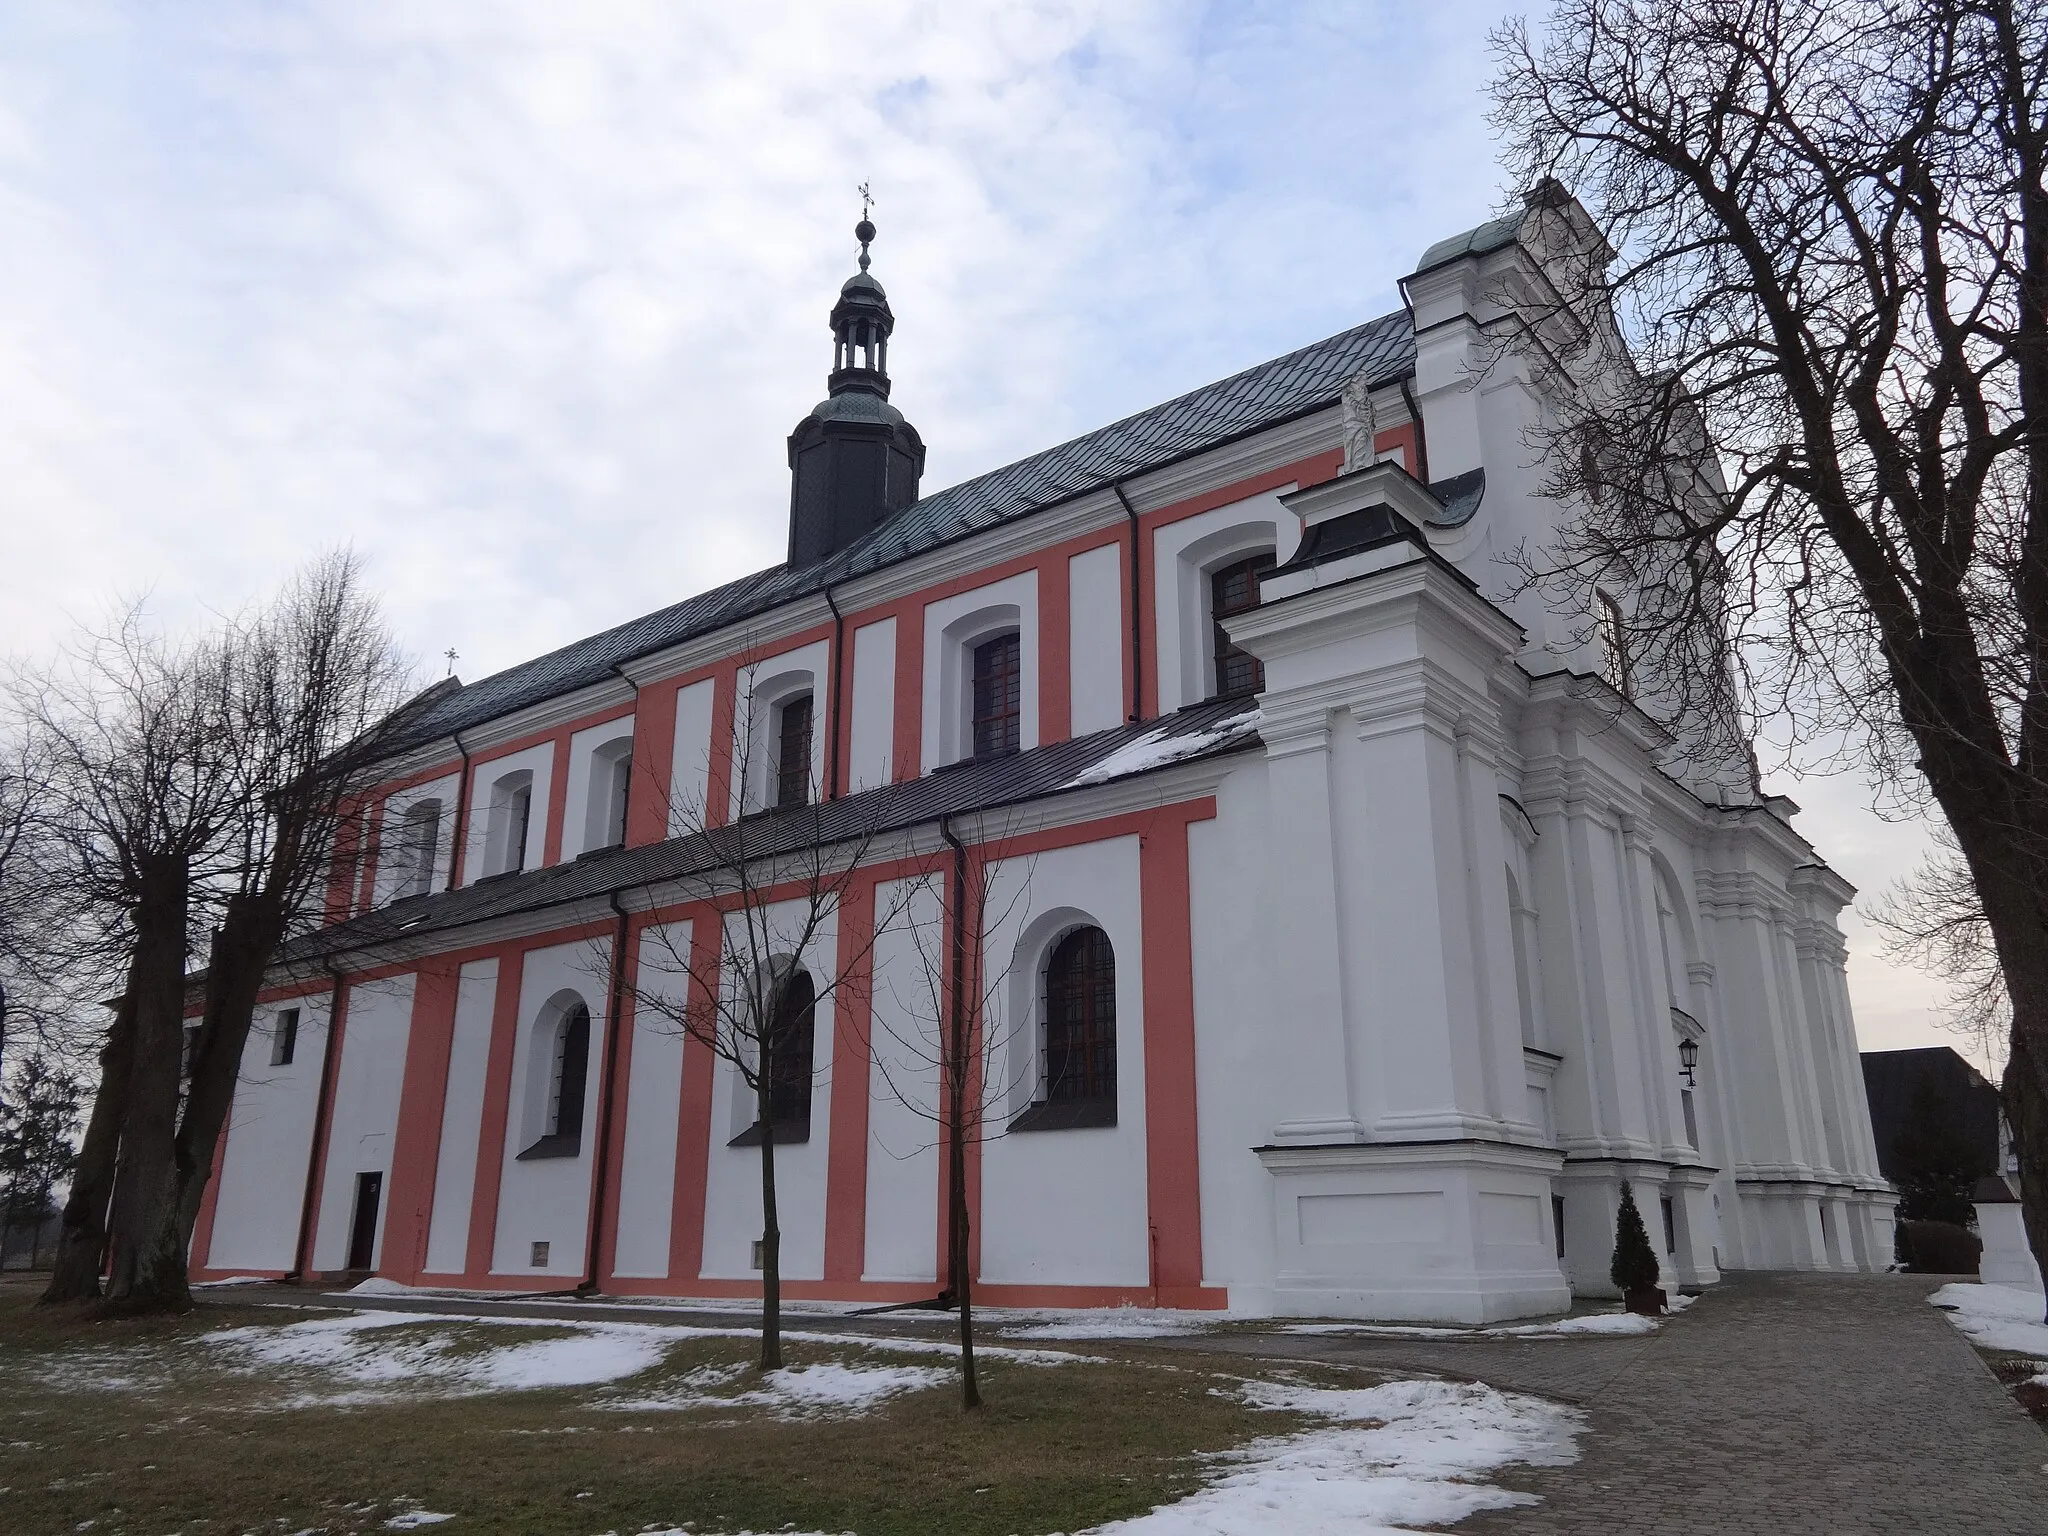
{"x":854,"y":461}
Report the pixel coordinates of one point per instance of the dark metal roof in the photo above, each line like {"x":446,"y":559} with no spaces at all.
{"x":1233,"y":408}
{"x":1208,"y":730}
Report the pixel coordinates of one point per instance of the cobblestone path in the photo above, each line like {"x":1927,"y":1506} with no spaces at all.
{"x":1815,"y":1404}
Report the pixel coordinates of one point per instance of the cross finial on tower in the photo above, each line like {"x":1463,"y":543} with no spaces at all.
{"x":452,"y":656}
{"x":864,"y":231}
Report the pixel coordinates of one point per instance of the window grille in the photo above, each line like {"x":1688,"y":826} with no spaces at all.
{"x":1613,"y":627}
{"x":284,"y":1037}
{"x":793,"y":753}
{"x":998,"y":692}
{"x":1080,"y":1018}
{"x":786,"y":1051}
{"x":422,"y":840}
{"x":1235,"y":589}
{"x":571,"y":1075}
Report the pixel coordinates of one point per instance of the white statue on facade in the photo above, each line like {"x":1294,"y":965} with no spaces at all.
{"x":1356,"y":403}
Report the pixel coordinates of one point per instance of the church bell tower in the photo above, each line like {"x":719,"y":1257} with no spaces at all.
{"x":854,"y":461}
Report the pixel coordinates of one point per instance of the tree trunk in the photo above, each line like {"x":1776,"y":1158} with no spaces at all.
{"x":970,"y":1383}
{"x":148,"y":1272}
{"x":82,"y":1234}
{"x":248,"y":936}
{"x":771,"y":1233}
{"x":2024,"y":1104}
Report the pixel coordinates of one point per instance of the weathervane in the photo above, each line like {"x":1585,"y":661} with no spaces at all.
{"x":864,"y":231}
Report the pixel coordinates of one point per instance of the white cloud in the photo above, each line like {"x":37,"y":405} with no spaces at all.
{"x":522,"y":298}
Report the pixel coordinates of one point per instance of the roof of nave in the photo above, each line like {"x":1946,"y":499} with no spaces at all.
{"x":975,"y":787}
{"x":1258,"y":398}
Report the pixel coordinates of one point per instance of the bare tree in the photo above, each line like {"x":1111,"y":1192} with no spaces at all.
{"x":198,"y":787}
{"x":944,"y":1048}
{"x":140,"y":780}
{"x":775,"y":881}
{"x":1933,"y":919}
{"x":1828,"y":461}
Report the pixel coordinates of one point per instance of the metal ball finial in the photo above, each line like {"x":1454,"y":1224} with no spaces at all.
{"x":864,"y":231}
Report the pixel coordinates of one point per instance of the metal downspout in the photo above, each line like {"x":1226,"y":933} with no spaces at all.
{"x":322,"y":1103}
{"x":1137,"y":628}
{"x":832,"y":700}
{"x":601,"y":1175}
{"x":459,"y":839}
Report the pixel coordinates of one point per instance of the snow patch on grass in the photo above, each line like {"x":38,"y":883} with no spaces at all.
{"x":1111,"y":1323}
{"x":828,"y":1390}
{"x":1395,"y":1456}
{"x":412,"y":1519}
{"x":1996,"y":1316}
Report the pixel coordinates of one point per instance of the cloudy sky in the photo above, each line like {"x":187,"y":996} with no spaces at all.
{"x":521,"y":298}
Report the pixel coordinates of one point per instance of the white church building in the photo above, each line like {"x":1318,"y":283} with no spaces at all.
{"x":1353,"y":936}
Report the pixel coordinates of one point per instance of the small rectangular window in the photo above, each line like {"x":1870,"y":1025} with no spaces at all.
{"x":1557,"y":1221}
{"x":1670,"y":1225}
{"x":1235,"y":589}
{"x":793,"y":753}
{"x":540,"y":1256}
{"x":1615,"y":659}
{"x":284,"y":1037}
{"x":998,"y":696}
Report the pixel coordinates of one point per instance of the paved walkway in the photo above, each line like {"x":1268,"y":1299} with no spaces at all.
{"x":1822,"y":1405}
{"x":1817,"y":1404}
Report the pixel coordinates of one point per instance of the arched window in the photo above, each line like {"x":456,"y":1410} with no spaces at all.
{"x":511,"y":818}
{"x":788,"y":1048}
{"x":568,"y":1080}
{"x":1612,"y":627}
{"x":793,"y":752}
{"x":998,"y":696}
{"x":611,"y":771}
{"x":1077,"y":1083}
{"x":1235,"y":589}
{"x":419,"y":840}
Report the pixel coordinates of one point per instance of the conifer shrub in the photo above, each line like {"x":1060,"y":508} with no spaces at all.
{"x":1635,"y":1261}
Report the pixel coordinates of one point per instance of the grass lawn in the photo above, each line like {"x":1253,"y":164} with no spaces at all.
{"x":141,"y":1427}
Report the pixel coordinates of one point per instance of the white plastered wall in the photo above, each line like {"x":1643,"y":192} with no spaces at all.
{"x":548,"y":1199}
{"x":690,"y":767}
{"x":392,"y":853}
{"x":903,"y":1085}
{"x":732,"y":1196}
{"x":952,"y":627}
{"x":1066,"y":1207}
{"x":462,"y":1116}
{"x":647,"y":1170}
{"x":537,"y":760}
{"x":763,"y":688}
{"x":1096,"y":639}
{"x":367,"y":1085}
{"x":870,"y":752}
{"x":583,"y":822}
{"x":270,"y":1136}
{"x":1183,"y":555}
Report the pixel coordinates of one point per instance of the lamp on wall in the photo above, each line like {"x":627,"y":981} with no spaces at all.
{"x":1688,"y":1059}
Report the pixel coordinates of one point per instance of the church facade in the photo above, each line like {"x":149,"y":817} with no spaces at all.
{"x":1347,"y":931}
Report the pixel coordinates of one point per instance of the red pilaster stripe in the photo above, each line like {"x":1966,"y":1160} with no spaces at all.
{"x":718,"y":770}
{"x":1055,"y":643}
{"x":337,"y":1037}
{"x":654,"y":749}
{"x":490,"y":1152}
{"x":416,"y":1145}
{"x":202,"y":1230}
{"x":693,"y":1124}
{"x":906,"y":751}
{"x":558,"y":803}
{"x":617,"y":1078}
{"x":1172,"y":1147}
{"x":846,"y":1169}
